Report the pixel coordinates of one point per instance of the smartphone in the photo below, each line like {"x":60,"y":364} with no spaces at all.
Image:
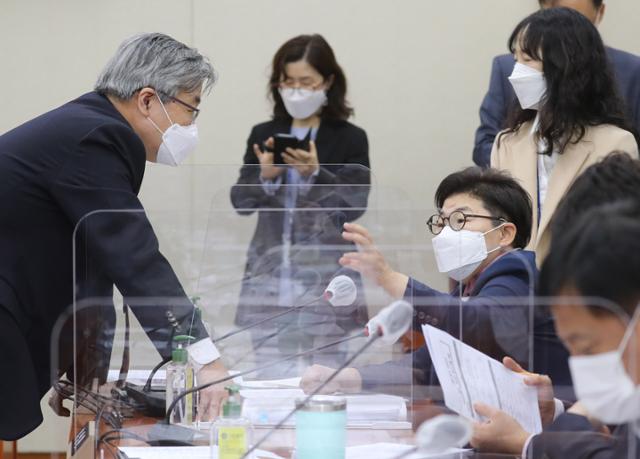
{"x":280,"y":144}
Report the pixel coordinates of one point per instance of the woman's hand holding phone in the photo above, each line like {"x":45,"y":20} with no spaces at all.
{"x":306,"y":162}
{"x":268,"y":171}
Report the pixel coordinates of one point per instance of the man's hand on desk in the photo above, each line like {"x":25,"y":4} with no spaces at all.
{"x":212,"y":397}
{"x":500,"y":433}
{"x":347,"y":381}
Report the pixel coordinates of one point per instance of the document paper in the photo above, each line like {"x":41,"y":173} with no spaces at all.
{"x":468,"y":376}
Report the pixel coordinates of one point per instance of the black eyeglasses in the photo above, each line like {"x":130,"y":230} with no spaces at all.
{"x":456,"y":221}
{"x":194,"y":111}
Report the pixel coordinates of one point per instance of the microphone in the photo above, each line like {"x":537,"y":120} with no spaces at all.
{"x":389,"y":323}
{"x":341,"y":291}
{"x":438,"y":434}
{"x":393,"y":320}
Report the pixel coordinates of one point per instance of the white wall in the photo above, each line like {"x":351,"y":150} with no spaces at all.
{"x":417,"y":69}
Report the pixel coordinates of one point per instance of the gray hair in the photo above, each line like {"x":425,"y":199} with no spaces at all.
{"x":158,"y":61}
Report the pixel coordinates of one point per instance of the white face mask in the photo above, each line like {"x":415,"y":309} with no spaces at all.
{"x":529,"y":85}
{"x":459,"y":253}
{"x":178,"y":141}
{"x":302,"y":103}
{"x":603,"y":385}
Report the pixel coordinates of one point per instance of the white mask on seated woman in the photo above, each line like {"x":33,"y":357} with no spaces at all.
{"x":459,"y":253}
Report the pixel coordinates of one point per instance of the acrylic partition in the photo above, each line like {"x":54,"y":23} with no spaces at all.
{"x":256,"y":261}
{"x":246,"y":271}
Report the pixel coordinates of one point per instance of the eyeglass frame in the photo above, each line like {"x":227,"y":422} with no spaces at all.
{"x":194,"y":111}
{"x":447,"y":222}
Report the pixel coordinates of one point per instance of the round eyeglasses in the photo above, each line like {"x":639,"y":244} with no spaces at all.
{"x":456,"y":221}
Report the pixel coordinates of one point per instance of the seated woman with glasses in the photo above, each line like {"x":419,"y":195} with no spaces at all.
{"x":306,"y":172}
{"x":483,"y":222}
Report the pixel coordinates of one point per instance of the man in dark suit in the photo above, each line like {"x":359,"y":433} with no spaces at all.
{"x":69,"y":181}
{"x":595,"y":235}
{"x":500,"y":97}
{"x":595,"y":306}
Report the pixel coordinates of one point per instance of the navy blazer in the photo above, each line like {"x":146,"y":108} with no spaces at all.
{"x":491,"y":323}
{"x":573,"y":436}
{"x":500,"y":98}
{"x":56,"y":172}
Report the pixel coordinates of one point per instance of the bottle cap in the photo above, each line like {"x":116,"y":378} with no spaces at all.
{"x":232,"y":407}
{"x":180,"y":353}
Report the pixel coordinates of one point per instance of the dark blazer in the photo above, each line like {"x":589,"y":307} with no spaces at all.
{"x":491,"y":322}
{"x":573,"y":436}
{"x":339,"y":194}
{"x":501,"y":98}
{"x":55,"y":171}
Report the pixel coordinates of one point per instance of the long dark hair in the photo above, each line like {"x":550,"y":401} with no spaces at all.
{"x":315,"y":50}
{"x":581,"y":90}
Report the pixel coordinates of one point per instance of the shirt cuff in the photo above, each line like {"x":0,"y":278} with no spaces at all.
{"x":526,"y":446}
{"x":270,"y":186}
{"x":202,"y":353}
{"x":559,"y":408}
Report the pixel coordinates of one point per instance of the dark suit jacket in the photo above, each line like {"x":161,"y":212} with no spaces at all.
{"x":491,"y":323}
{"x":573,"y":436}
{"x":501,"y":98}
{"x":339,"y":194}
{"x":57,"y":172}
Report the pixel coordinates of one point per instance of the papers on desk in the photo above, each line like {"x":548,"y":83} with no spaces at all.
{"x":267,"y":407}
{"x":468,"y":376}
{"x":183,"y":452}
{"x":289,"y":383}
{"x":392,"y":450}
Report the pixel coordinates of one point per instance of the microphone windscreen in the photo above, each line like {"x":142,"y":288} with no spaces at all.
{"x":392,"y":322}
{"x":443,"y":432}
{"x":341,"y":291}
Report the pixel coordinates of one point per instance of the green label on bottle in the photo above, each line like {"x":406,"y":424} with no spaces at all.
{"x":232,"y":442}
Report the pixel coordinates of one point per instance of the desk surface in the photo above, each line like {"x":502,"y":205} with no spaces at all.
{"x":280,"y":442}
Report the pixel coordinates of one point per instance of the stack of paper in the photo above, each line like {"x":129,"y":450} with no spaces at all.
{"x":393,"y":450}
{"x":289,"y":383}
{"x":183,"y":452}
{"x":270,"y":406}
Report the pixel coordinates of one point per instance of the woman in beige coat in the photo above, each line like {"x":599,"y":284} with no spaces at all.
{"x":569,"y":116}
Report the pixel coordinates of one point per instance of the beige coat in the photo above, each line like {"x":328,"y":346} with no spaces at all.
{"x":518,"y":154}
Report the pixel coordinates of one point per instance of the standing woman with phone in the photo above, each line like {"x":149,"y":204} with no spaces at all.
{"x":306,"y":172}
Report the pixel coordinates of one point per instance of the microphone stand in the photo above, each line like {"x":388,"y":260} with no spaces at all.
{"x":267,"y":319}
{"x":163,"y":362}
{"x":372,"y":339}
{"x":167,"y":419}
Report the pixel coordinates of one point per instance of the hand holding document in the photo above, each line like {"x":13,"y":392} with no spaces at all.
{"x":468,"y":376}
